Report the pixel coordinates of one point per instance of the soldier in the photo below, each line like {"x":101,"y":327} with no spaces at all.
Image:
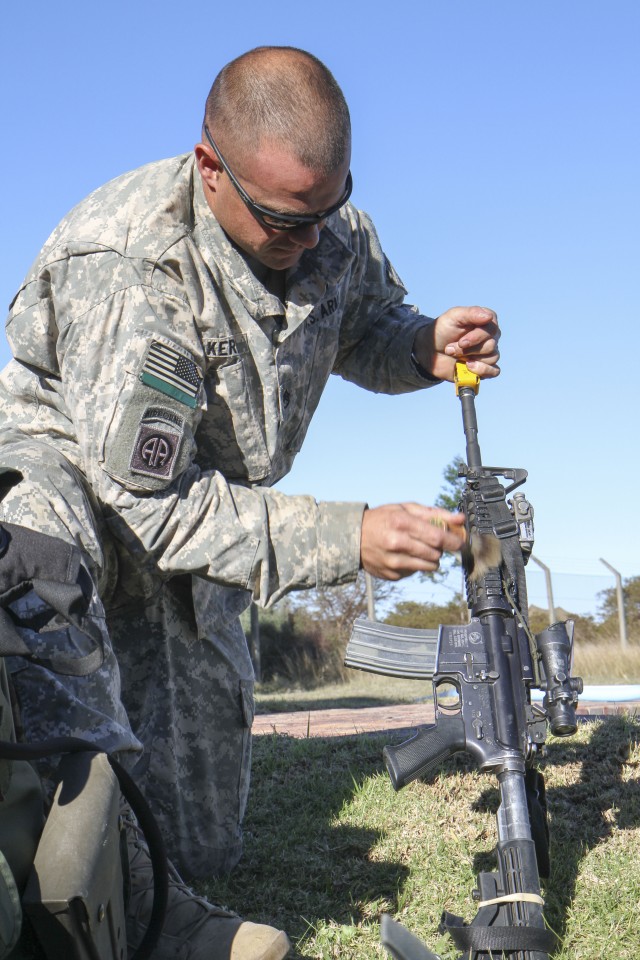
{"x":170,"y":345}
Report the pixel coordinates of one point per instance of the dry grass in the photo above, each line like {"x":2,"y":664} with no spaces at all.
{"x":607,"y":662}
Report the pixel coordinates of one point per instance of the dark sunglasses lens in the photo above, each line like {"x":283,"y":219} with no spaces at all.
{"x":280,"y":224}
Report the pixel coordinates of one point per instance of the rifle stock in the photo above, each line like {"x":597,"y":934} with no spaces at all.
{"x":483,"y":675}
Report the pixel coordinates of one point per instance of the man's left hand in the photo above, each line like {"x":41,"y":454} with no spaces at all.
{"x":468,"y":334}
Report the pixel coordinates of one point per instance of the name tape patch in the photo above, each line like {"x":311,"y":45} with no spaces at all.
{"x":324,"y":309}
{"x":221,"y":347}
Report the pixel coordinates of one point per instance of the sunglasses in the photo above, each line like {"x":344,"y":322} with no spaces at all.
{"x":269,"y":218}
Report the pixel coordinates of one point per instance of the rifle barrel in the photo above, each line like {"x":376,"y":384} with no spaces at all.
{"x":470,"y":424}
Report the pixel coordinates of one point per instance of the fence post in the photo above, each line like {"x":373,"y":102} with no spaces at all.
{"x":547,"y":577}
{"x":371,"y":606}
{"x":255,"y":642}
{"x":622,"y":620}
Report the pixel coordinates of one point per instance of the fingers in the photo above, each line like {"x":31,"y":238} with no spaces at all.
{"x":485,"y":351}
{"x":449,"y":530}
{"x":401,"y":539}
{"x":478,"y":346}
{"x":484,"y":365}
{"x":485,"y":370}
{"x":468,"y":334}
{"x":472,"y":324}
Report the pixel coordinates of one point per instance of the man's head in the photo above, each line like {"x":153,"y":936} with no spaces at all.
{"x":276,"y":139}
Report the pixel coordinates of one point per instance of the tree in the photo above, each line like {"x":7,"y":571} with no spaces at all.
{"x":292,"y":647}
{"x":303,"y":639}
{"x":423,"y":616}
{"x":451,"y":494}
{"x":449,"y":574}
{"x":586,"y":628}
{"x":608,"y":610}
{"x":337,"y":607}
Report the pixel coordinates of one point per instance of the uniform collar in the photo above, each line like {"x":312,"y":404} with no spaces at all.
{"x":318,"y":269}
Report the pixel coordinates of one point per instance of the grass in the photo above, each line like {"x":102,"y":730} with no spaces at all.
{"x":607,"y":663}
{"x":330,"y":846}
{"x":358,"y":691}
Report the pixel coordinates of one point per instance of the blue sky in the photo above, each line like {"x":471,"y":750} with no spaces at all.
{"x":496,"y":146}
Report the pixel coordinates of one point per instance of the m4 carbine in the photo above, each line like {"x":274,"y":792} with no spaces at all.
{"x":483,"y":675}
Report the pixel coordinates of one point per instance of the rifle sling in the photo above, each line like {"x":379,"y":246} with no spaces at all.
{"x":473,"y":938}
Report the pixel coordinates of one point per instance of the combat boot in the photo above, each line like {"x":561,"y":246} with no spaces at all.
{"x":194,"y":929}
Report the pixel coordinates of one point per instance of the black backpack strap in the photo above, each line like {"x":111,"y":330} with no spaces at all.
{"x":132,"y":794}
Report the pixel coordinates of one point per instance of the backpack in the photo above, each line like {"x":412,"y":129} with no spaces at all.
{"x":67,"y":872}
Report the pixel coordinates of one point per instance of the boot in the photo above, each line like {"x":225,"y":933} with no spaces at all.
{"x":194,"y":929}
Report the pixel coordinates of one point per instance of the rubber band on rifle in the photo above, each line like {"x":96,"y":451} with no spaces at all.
{"x":513,"y":898}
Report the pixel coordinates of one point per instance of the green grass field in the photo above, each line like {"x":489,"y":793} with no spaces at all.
{"x":330,"y":846}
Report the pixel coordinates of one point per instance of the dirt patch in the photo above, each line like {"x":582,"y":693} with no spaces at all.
{"x":405,"y":716}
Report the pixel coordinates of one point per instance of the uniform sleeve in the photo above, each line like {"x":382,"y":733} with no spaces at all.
{"x":131,"y":371}
{"x":254,"y":538}
{"x":378,"y":327}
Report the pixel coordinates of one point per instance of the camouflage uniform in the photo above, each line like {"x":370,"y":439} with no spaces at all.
{"x":158,"y":390}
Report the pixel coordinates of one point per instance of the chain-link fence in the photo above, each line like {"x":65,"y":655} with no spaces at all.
{"x":577,"y":593}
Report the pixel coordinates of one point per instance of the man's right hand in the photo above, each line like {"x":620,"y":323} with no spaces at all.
{"x":404,"y":538}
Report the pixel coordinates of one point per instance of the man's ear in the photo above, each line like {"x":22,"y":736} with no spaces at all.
{"x":208,"y":165}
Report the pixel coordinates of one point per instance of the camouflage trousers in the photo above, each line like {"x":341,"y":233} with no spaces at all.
{"x":174,"y":696}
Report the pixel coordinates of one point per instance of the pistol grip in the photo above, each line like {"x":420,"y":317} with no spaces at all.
{"x":425,"y":751}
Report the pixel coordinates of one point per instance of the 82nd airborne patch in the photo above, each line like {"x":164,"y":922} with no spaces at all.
{"x":154,"y":452}
{"x":157,"y":443}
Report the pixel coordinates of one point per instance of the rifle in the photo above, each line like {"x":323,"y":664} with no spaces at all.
{"x":483,"y":675}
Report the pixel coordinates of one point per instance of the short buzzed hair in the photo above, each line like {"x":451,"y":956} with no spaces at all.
{"x":282,"y":94}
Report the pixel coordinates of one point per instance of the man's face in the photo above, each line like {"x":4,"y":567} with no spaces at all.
{"x":274,"y":178}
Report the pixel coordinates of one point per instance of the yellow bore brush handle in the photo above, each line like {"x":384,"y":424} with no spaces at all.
{"x":464,"y":378}
{"x":467,"y":386}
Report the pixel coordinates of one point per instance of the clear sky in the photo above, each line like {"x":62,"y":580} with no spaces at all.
{"x":496,"y":146}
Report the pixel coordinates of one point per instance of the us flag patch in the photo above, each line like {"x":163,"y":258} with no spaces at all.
{"x":171,"y":373}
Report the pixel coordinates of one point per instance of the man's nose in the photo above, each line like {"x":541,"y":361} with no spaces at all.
{"x":308,"y":235}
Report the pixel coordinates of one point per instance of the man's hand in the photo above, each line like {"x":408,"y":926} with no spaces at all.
{"x":468,"y":334}
{"x":403,"y":538}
